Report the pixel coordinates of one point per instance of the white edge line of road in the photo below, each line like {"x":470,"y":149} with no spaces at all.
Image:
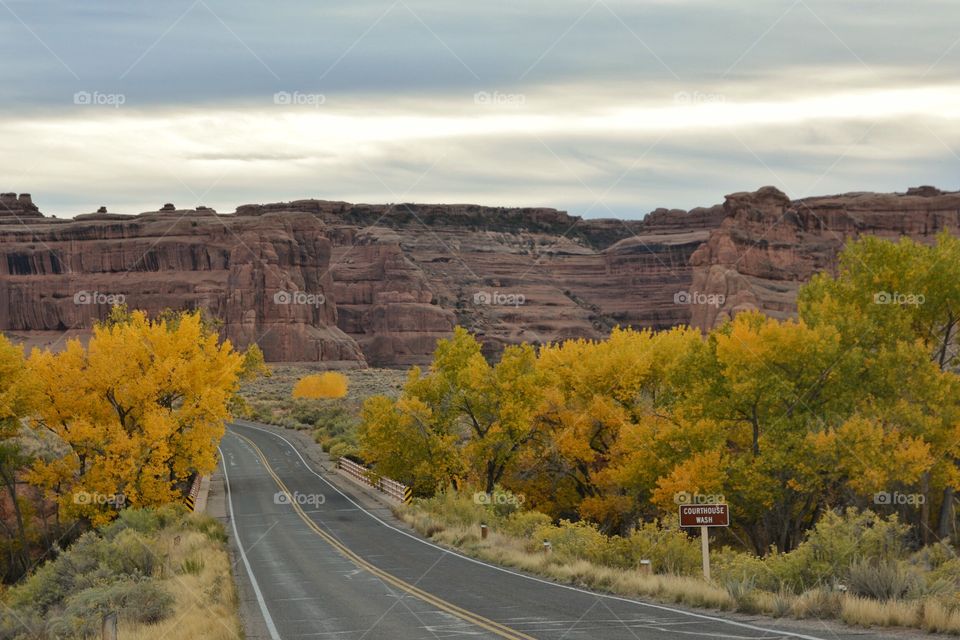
{"x":272,"y":628}
{"x":701,"y":616}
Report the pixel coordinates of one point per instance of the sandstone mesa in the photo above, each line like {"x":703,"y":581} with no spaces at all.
{"x":317,"y":280}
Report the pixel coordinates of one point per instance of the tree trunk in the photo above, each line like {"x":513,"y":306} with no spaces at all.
{"x":945,"y":522}
{"x":10,"y":481}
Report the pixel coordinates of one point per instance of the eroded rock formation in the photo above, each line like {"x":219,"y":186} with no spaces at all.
{"x":325,"y":280}
{"x":263,"y":278}
{"x":768,"y":245}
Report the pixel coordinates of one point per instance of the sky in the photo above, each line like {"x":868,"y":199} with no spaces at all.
{"x":603,"y":108}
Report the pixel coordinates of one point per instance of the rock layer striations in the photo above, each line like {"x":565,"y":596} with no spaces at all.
{"x":317,"y":280}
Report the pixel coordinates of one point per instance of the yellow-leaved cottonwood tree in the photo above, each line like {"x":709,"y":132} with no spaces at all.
{"x":329,"y":384}
{"x":142,"y":408}
{"x":463,"y":416}
{"x":859,"y":395}
{"x":16,"y":402}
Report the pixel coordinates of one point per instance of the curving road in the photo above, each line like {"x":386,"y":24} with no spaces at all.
{"x":332,"y":568}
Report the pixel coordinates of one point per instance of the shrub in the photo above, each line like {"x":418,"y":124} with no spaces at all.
{"x":948,"y":571}
{"x":523,"y":524}
{"x":193,"y":566}
{"x":339,"y":449}
{"x":669,"y":550}
{"x":208,"y":526}
{"x":130,"y":554}
{"x":56,"y":579}
{"x":456,"y":508}
{"x":740,"y":588}
{"x":934,"y":556}
{"x":145,"y":521}
{"x":882,"y":579}
{"x":833,"y":545}
{"x":573,"y":540}
{"x":136,"y":600}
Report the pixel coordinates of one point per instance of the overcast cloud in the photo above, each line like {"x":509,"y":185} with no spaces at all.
{"x":601,"y":108}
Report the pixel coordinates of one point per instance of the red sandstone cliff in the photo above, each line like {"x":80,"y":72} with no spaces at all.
{"x":768,"y":245}
{"x":320,"y":280}
{"x":61,"y":276}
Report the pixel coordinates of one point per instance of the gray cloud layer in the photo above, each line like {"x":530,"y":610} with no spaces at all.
{"x":389,"y":106}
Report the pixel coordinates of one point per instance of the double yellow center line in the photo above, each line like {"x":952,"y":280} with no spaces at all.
{"x":473,"y":618}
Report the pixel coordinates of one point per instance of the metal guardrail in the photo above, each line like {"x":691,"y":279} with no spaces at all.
{"x":390,"y":488}
{"x":191,"y":498}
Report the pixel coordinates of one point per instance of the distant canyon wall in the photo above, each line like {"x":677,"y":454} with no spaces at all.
{"x":315,"y":280}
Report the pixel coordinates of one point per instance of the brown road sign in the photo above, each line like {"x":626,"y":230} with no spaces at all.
{"x":704,"y":515}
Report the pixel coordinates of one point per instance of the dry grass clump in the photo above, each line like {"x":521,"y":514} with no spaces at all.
{"x":940,"y":617}
{"x":866,"y":612}
{"x":205,"y":598}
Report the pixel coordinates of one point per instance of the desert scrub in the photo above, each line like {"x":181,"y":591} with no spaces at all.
{"x":853,"y":566}
{"x":164,"y":571}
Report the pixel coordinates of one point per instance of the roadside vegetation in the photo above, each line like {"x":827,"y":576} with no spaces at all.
{"x":165,"y":573}
{"x":855,"y":566}
{"x":833,"y":438}
{"x":99,"y":445}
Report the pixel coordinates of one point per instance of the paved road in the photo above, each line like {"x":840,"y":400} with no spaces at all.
{"x":335,"y":570}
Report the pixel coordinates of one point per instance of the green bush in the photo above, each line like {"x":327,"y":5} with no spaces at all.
{"x":131,"y":554}
{"x":106,"y":570}
{"x":193,"y":566}
{"x":27,"y":625}
{"x":339,"y":449}
{"x":948,"y":571}
{"x":456,"y":508}
{"x":934,"y":556}
{"x":574,"y":540}
{"x":837,"y":542}
{"x":669,"y":550}
{"x":883,"y":579}
{"x":136,"y":600}
{"x":208,"y":526}
{"x":54,"y":580}
{"x":523,"y":524}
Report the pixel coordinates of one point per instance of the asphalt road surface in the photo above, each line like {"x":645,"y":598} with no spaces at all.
{"x":320,"y":565}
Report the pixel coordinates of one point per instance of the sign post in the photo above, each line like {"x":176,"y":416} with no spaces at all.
{"x":705,"y":550}
{"x":704,"y":516}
